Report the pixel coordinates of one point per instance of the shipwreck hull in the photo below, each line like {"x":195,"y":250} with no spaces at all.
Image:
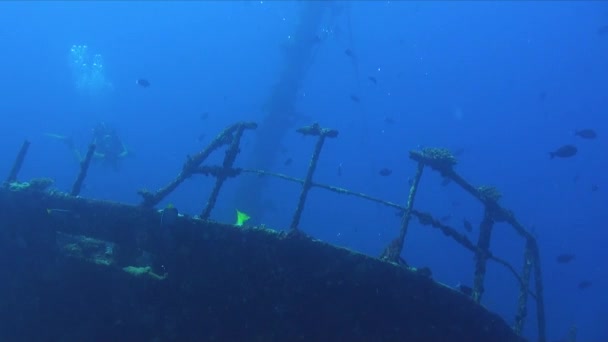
{"x":74,"y":269}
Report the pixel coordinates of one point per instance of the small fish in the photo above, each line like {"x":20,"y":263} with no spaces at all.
{"x":169,"y":215}
{"x":339,"y":169}
{"x":288,"y":162}
{"x":594,"y":187}
{"x":586,"y":133}
{"x":241,"y":218}
{"x":467,"y":225}
{"x":349,"y":53}
{"x":446,"y":181}
{"x":372,"y":79}
{"x":585,"y":284}
{"x":542,"y":96}
{"x":201,"y":137}
{"x":565,"y":151}
{"x":204,"y":115}
{"x":385,"y":172}
{"x":142,"y":83}
{"x":355,"y":98}
{"x":565,"y":258}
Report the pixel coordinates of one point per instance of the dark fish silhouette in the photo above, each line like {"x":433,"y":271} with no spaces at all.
{"x":565,"y":151}
{"x":565,"y":258}
{"x":288,"y":162}
{"x":142,"y":83}
{"x":585,"y":284}
{"x":204,"y":116}
{"x":349,"y":53}
{"x":594,"y":187}
{"x":586,"y":133}
{"x":385,"y":172}
{"x":373,"y":80}
{"x":355,"y":98}
{"x":201,"y":137}
{"x":339,"y":173}
{"x":316,"y":39}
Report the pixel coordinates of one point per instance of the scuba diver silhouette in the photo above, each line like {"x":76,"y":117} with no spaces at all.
{"x":109,"y":148}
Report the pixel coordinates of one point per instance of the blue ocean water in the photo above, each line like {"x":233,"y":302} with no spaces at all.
{"x":504,"y":83}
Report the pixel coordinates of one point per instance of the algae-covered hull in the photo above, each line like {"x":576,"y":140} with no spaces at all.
{"x":74,"y":269}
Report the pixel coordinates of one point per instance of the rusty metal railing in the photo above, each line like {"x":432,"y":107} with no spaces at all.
{"x":437,"y":159}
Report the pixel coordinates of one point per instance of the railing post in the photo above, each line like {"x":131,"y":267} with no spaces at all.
{"x":229,"y":159}
{"x":84,"y":167}
{"x":150,"y":199}
{"x":12,"y":176}
{"x":522,"y":304}
{"x":394,"y":249}
{"x":540,"y":301}
{"x":322,"y":133}
{"x":481,"y":256}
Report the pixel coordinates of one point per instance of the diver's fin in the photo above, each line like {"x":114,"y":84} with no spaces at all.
{"x":68,"y":141}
